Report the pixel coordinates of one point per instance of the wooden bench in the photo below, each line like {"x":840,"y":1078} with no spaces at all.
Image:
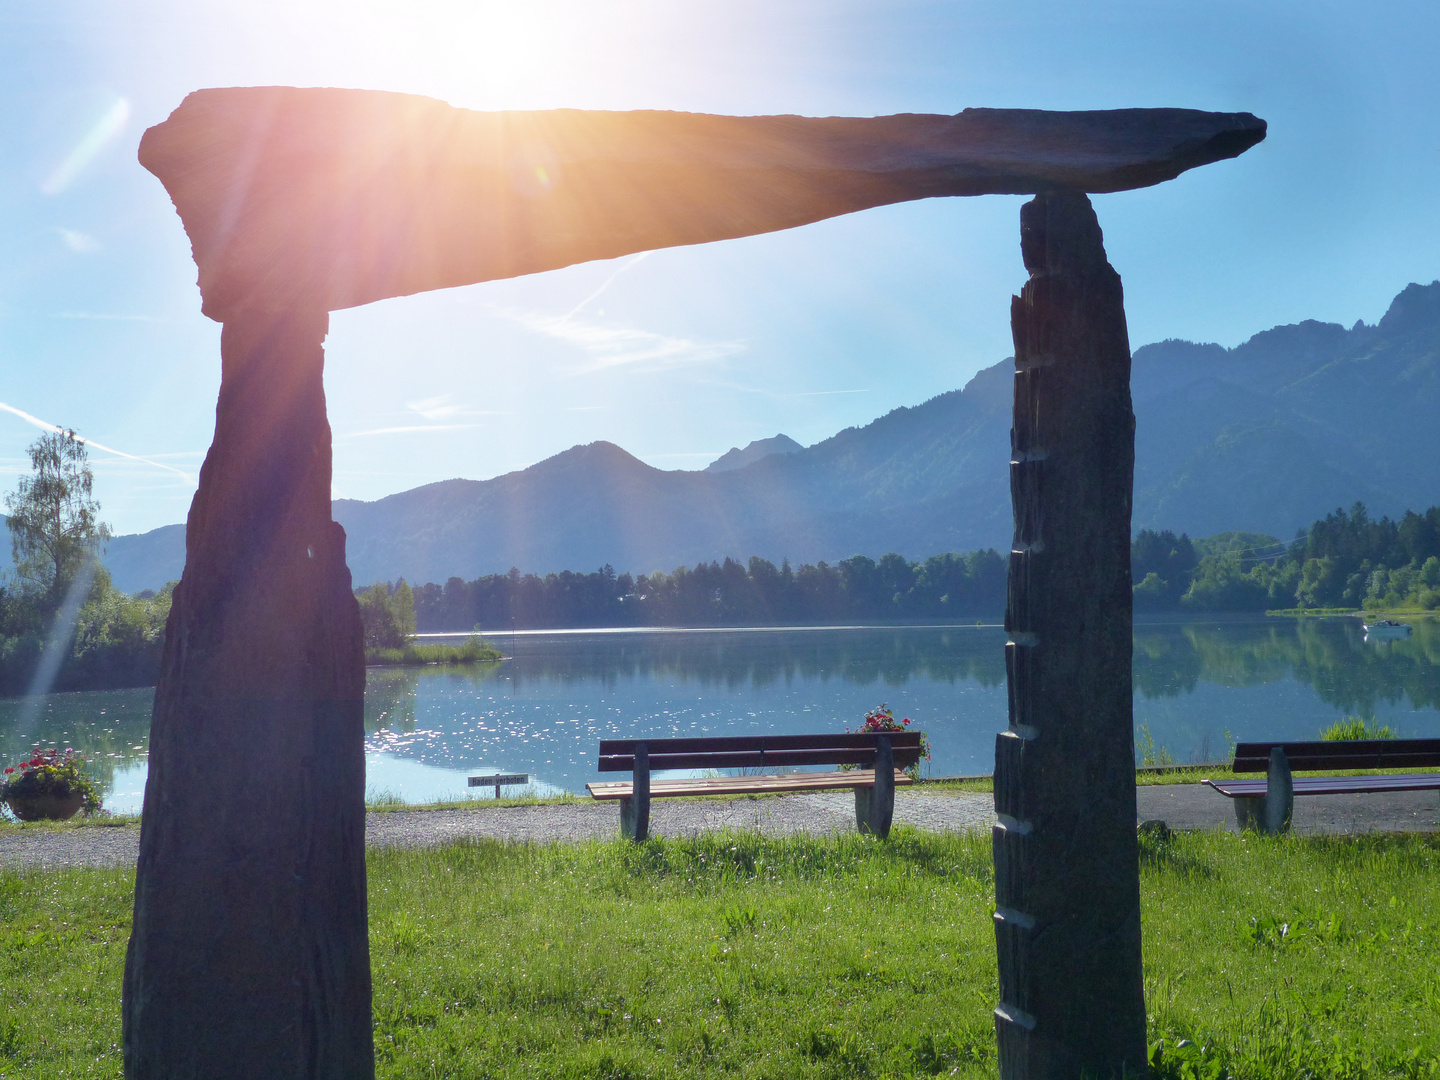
{"x":878,"y":762}
{"x":1267,"y":805}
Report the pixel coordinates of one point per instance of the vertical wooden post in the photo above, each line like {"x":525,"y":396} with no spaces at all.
{"x":249,"y":950}
{"x":1067,"y":920}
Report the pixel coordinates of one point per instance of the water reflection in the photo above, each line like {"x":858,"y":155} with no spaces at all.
{"x":110,"y":727}
{"x":1198,"y":684}
{"x":545,"y":710}
{"x":864,"y":656}
{"x":1329,"y":655}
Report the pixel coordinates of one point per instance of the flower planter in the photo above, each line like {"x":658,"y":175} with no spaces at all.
{"x":45,"y":807}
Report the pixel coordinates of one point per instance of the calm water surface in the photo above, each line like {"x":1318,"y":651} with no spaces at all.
{"x":1198,"y":684}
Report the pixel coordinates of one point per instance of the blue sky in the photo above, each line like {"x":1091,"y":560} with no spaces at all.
{"x":678,"y":355}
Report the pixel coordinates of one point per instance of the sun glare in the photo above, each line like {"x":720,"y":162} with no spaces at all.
{"x":101,"y":133}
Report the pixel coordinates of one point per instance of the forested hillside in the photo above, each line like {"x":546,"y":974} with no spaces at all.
{"x":1265,"y":438}
{"x":1345,"y":560}
{"x":943,"y":587}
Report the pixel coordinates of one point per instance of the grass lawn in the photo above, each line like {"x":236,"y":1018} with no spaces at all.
{"x":738,"y":956}
{"x":472,"y":650}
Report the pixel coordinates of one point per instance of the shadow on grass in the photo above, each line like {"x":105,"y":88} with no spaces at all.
{"x":727,"y":857}
{"x":1169,"y":853}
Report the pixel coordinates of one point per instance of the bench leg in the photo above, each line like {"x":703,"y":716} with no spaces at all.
{"x":635,"y":808}
{"x":1279,"y":805}
{"x":1270,"y":813}
{"x":875,"y":806}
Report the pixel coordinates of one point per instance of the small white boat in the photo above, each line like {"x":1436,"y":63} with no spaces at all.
{"x":1386,"y":630}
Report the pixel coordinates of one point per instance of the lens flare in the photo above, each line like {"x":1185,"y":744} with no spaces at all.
{"x":96,"y":139}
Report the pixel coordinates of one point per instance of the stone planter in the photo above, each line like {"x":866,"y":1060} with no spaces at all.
{"x":45,"y":807}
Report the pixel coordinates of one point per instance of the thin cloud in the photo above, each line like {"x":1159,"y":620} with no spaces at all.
{"x":45,"y":425}
{"x":620,"y":346}
{"x":82,"y":243}
{"x":104,"y":317}
{"x":444,"y":407}
{"x":406,"y":428}
{"x":780,"y":396}
{"x":605,"y":285}
{"x":435,"y":408}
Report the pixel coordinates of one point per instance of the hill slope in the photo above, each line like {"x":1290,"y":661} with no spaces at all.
{"x":1265,"y":437}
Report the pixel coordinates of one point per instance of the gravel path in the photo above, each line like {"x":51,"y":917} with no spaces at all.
{"x":1182,"y":806}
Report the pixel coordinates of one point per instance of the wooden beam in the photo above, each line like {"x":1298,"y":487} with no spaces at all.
{"x":328,"y":199}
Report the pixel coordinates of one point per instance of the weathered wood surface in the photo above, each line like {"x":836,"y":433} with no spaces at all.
{"x":327,"y":199}
{"x":249,"y":949}
{"x":1067,"y":889}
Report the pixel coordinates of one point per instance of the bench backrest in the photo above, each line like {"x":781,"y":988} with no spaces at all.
{"x":1344,"y":754}
{"x":759,"y":751}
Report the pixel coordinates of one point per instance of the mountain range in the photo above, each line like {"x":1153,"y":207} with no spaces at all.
{"x":1263,"y":437}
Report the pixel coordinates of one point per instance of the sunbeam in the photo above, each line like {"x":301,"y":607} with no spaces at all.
{"x":110,"y":125}
{"x":62,"y":631}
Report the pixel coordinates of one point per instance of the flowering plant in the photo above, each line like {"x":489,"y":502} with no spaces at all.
{"x":882,"y":719}
{"x":51,"y":772}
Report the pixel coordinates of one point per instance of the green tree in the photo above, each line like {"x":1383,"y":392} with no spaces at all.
{"x":55,"y":530}
{"x":1162,"y":566}
{"x":387,"y":615}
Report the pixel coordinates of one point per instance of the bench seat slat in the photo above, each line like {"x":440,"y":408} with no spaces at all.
{"x":724,"y":743}
{"x":753,"y":759}
{"x":1349,"y":754}
{"x":1332,"y":785}
{"x":746,"y":785}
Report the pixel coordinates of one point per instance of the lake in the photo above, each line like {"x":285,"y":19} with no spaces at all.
{"x":1199,"y":684}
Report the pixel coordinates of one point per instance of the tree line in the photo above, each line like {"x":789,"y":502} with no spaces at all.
{"x":59,"y":597}
{"x":1344,"y":560}
{"x":728,"y":593}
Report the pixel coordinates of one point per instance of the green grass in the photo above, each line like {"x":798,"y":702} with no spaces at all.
{"x":1411,"y":612}
{"x":473,"y":650}
{"x":1290,"y":958}
{"x":1356,"y":727}
{"x":9,"y":826}
{"x":971,"y":785}
{"x":387,"y":802}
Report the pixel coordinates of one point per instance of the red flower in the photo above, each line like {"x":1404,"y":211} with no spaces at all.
{"x":9,"y":768}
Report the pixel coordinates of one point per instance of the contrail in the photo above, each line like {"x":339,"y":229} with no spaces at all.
{"x":605,"y":285}
{"x":45,"y":426}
